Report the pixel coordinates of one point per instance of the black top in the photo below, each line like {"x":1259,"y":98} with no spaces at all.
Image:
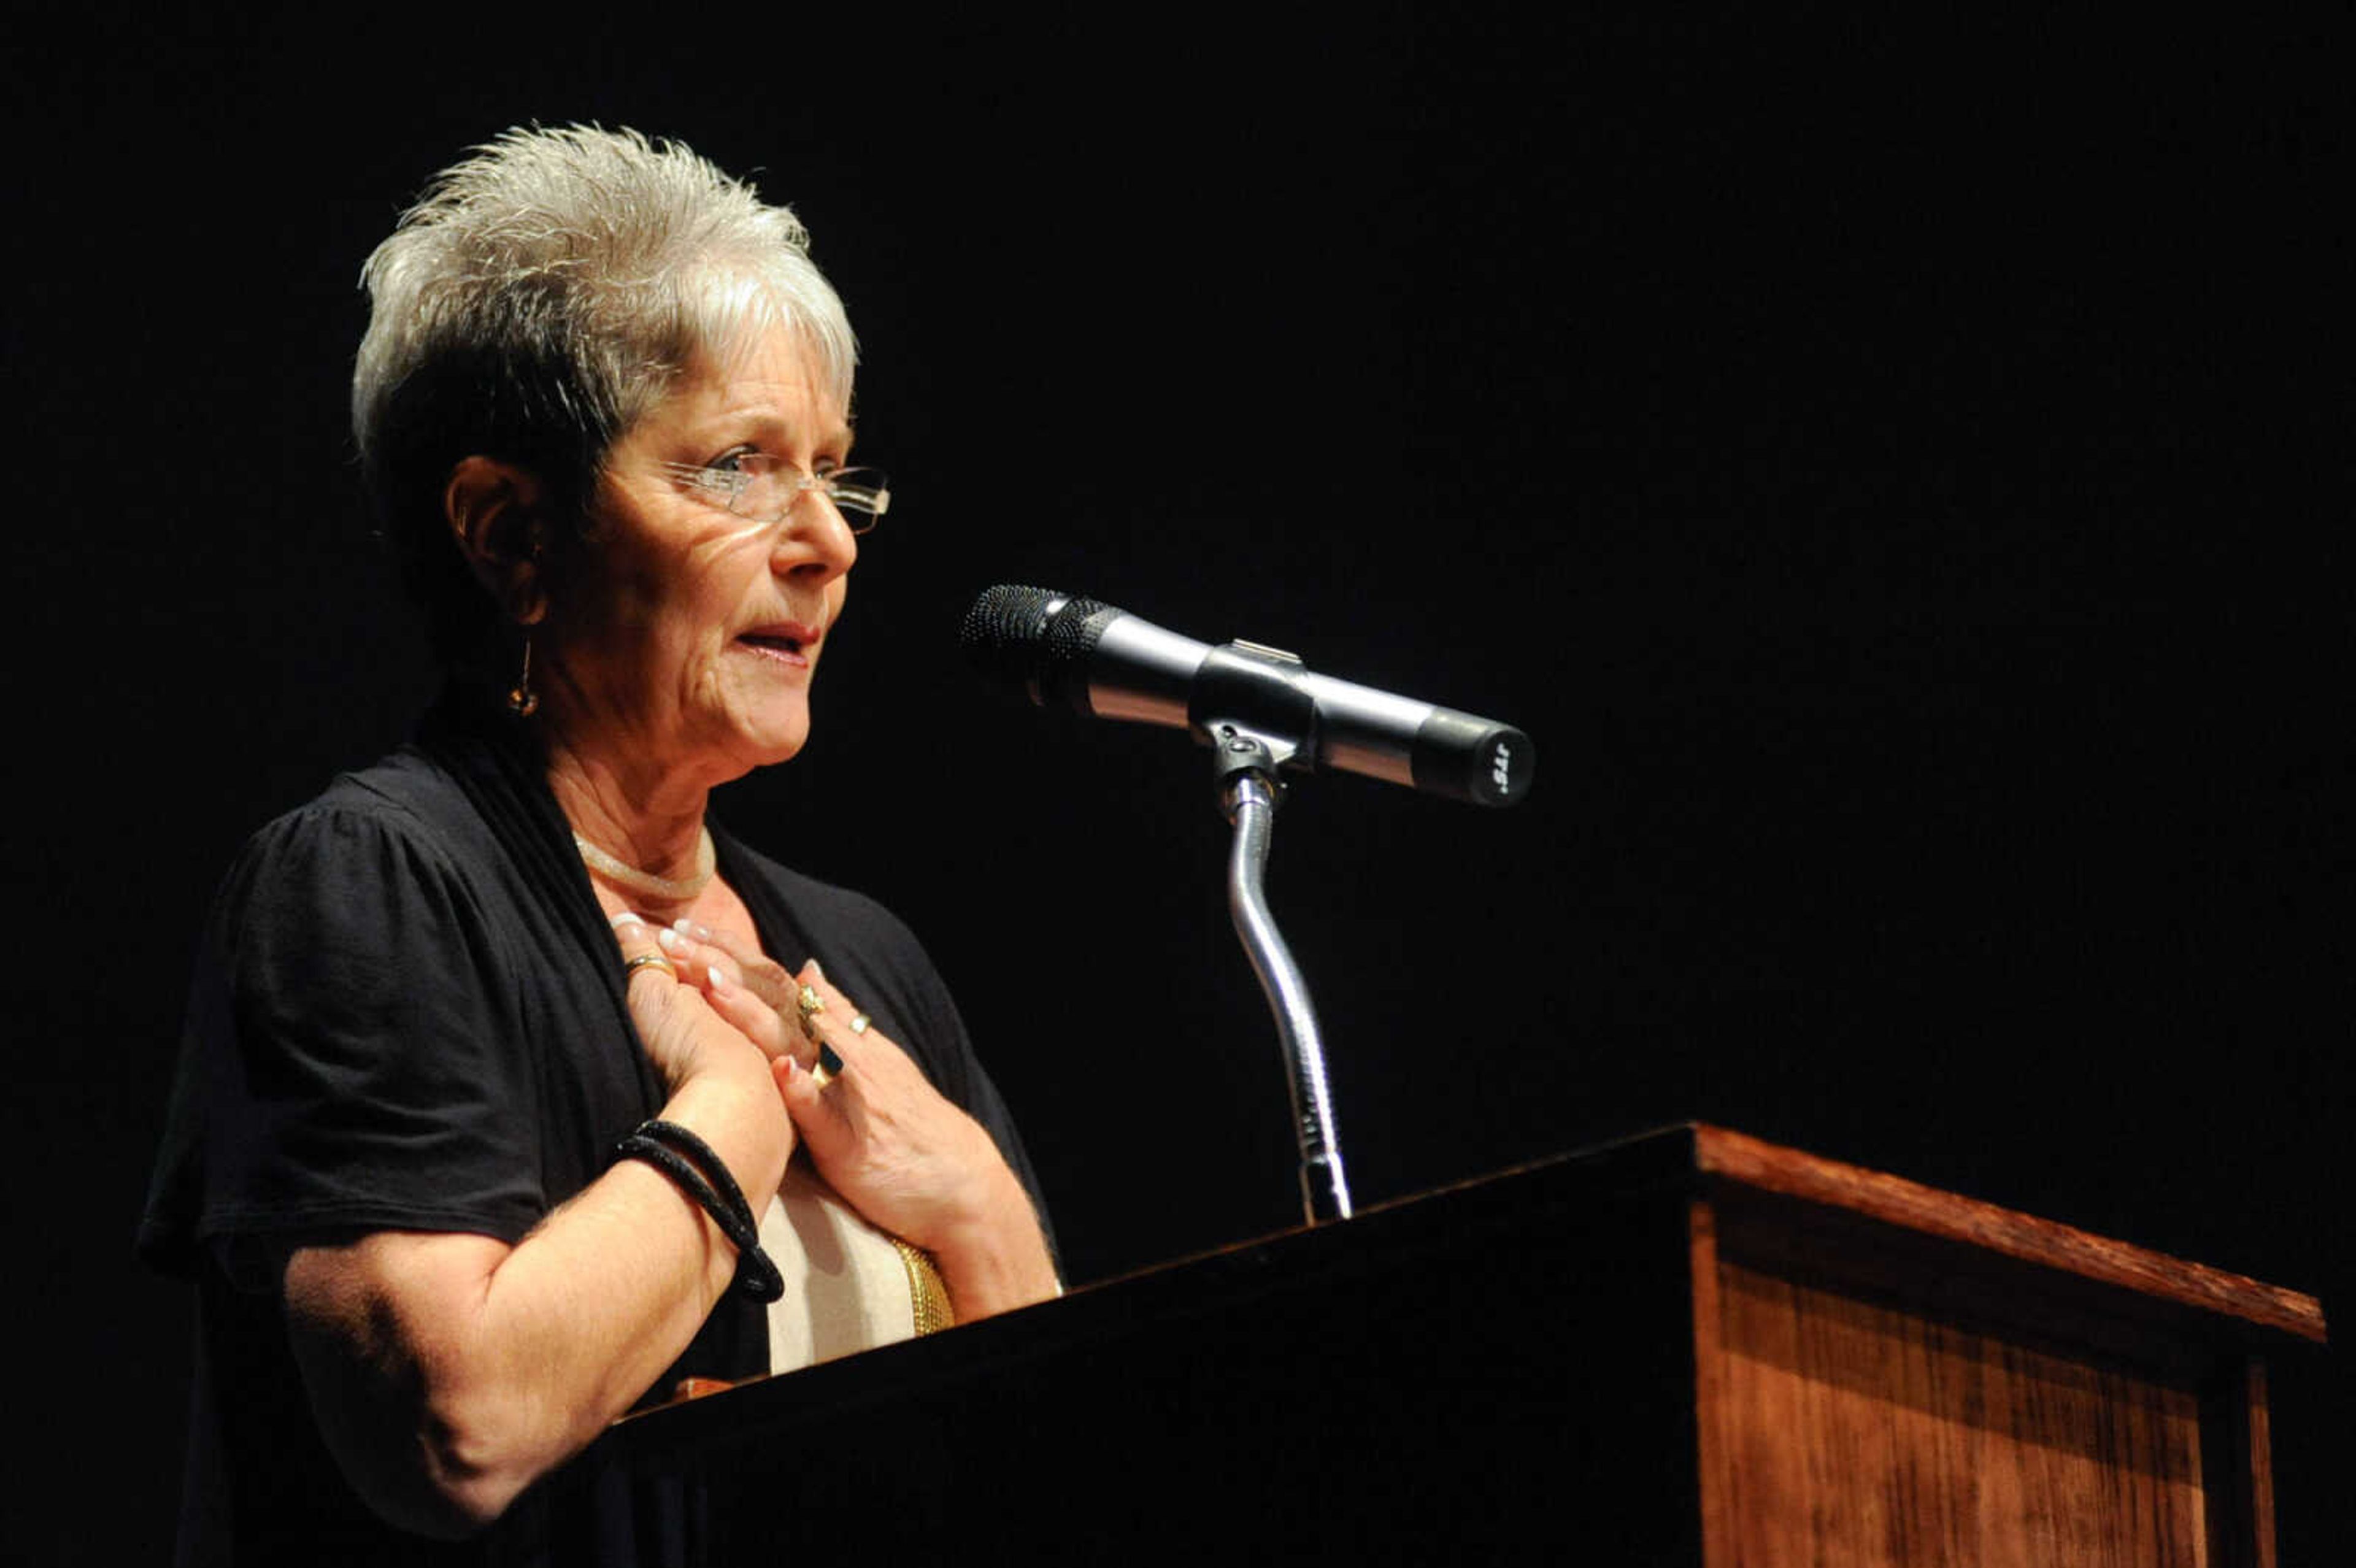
{"x":407,"y":1013}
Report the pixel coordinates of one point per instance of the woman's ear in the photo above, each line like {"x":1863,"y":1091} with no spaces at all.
{"x":494,"y":512}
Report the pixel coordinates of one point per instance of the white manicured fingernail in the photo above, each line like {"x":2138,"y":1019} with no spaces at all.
{"x":625,"y":918}
{"x":816,"y":970}
{"x":667,"y":939}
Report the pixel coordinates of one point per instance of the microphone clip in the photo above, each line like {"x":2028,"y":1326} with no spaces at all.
{"x":1240,"y":756}
{"x":1251,"y":707}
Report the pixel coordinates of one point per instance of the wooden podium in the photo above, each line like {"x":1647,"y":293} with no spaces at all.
{"x":1690,"y":1347}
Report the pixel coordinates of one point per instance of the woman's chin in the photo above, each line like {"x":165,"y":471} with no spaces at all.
{"x":760,"y":727}
{"x":722,"y":753}
{"x":778,"y":739}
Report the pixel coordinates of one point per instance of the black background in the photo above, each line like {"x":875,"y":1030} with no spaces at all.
{"x":1897,"y":473}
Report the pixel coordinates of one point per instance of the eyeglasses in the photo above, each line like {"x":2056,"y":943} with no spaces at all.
{"x":764,"y":488}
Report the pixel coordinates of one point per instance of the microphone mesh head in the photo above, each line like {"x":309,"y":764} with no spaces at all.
{"x":1008,"y":615}
{"x":1012,"y":635}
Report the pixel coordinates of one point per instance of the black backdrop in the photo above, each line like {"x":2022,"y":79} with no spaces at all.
{"x":1897,"y":476}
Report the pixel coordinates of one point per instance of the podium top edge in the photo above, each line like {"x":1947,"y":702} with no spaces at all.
{"x":1738,"y":1158}
{"x":1699,"y":1154}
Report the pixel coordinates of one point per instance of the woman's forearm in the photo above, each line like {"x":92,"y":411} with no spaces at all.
{"x":450,"y":1372}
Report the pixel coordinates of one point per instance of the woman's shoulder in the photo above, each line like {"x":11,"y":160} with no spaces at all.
{"x":403,"y":819}
{"x":402,"y":794}
{"x":455,"y":781}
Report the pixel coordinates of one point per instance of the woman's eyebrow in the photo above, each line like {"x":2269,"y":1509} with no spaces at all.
{"x":754,"y":421}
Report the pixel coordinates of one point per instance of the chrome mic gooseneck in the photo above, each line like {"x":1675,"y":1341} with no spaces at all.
{"x":1250,"y":797}
{"x":1260,"y":710}
{"x":1250,"y":705}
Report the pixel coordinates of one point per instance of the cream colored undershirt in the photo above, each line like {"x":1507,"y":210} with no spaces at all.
{"x":848,"y":1286}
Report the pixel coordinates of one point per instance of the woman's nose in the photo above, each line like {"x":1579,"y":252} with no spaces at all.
{"x":816,"y":538}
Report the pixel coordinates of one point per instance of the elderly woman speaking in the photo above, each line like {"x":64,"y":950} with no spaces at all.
{"x":489,"y":1044}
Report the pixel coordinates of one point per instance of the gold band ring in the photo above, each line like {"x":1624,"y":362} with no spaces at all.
{"x":647,"y":961}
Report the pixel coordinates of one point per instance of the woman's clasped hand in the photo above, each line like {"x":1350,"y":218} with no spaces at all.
{"x":874,"y":1126}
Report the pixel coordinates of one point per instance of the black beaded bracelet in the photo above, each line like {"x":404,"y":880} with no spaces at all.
{"x":756,"y":1276}
{"x":706,"y":1158}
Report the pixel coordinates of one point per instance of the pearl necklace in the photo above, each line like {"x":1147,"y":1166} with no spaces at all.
{"x":647,"y":883}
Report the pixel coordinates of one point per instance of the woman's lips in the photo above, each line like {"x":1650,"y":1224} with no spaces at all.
{"x":791,"y":641}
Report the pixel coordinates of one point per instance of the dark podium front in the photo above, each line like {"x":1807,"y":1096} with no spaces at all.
{"x":1689,"y":1347}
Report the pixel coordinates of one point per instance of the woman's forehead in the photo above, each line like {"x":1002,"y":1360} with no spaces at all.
{"x":775,"y":375}
{"x":735,"y":316}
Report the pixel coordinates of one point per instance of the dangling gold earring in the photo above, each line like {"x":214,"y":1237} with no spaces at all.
{"x":522,"y":698}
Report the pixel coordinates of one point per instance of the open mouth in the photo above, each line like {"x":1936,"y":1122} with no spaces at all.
{"x":790,"y":640}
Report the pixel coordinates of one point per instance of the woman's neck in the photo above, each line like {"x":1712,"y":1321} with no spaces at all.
{"x":651,"y":822}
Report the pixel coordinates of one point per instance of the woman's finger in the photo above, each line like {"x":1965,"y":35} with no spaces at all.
{"x":851,"y":1034}
{"x":808,"y":1102}
{"x":823,"y":1016}
{"x":699,"y":956}
{"x":642,"y":956}
{"x":695,"y":960}
{"x":828,"y":993}
{"x":836,"y":1006}
{"x":744,"y":961}
{"x":677,"y":1028}
{"x":755,"y":1019}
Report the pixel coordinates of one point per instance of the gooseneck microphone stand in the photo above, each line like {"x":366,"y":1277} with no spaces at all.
{"x":1259,"y":709}
{"x":1271,"y":723}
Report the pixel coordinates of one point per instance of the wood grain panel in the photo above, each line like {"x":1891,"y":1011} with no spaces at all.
{"x":1854,"y":1433}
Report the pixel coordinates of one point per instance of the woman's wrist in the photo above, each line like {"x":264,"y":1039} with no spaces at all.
{"x":738,"y":1114}
{"x":996,"y":1258}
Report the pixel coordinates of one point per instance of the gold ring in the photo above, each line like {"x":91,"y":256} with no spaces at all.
{"x":647,"y":961}
{"x":859,"y":1022}
{"x":811,"y":1005}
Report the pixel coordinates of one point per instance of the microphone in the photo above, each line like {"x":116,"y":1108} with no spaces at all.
{"x":1060,"y":649}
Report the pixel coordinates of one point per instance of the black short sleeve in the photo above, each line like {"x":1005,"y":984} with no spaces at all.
{"x":363,"y":1067}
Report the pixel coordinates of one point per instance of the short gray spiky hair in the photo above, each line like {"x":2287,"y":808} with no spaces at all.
{"x":542,"y":296}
